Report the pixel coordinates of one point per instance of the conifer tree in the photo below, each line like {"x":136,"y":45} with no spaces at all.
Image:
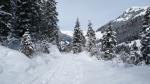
{"x":77,"y":38}
{"x":109,"y":43}
{"x":91,"y":40}
{"x":145,"y":38}
{"x":13,"y":24}
{"x":5,"y":17}
{"x":49,"y":29}
{"x":135,"y":55}
{"x":45,"y":47}
{"x":83,"y":40}
{"x":51,"y":20}
{"x":27,"y":46}
{"x":27,"y":17}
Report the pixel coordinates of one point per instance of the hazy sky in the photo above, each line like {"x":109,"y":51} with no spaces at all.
{"x":98,"y":11}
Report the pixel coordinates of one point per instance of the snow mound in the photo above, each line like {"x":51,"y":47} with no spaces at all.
{"x":62,"y":68}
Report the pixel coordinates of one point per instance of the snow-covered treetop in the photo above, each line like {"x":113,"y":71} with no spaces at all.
{"x":90,"y":25}
{"x":77,"y":23}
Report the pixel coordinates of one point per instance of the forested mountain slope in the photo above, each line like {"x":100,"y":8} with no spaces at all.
{"x":127,"y":25}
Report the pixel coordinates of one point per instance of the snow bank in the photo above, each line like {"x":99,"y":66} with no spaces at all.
{"x":62,"y":68}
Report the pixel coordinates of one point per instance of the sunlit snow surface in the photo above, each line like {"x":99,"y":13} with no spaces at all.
{"x":61,"y":68}
{"x":131,"y":13}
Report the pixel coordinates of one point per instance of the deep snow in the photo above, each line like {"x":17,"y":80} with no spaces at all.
{"x":62,"y":68}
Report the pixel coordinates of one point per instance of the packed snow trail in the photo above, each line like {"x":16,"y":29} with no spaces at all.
{"x":64,"y":70}
{"x":59,"y":68}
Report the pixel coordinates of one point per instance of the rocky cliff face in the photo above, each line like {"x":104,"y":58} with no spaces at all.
{"x":128,"y":25}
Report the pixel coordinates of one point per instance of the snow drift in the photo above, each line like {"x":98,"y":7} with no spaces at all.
{"x":62,"y":68}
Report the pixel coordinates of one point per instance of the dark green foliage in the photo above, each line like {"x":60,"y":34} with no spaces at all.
{"x":135,"y":55}
{"x":4,"y":2}
{"x":78,"y":38}
{"x":49,"y":20}
{"x":27,"y":18}
{"x":91,"y":40}
{"x":38,"y":16}
{"x":145,"y":40}
{"x":5,"y":17}
{"x":109,"y":43}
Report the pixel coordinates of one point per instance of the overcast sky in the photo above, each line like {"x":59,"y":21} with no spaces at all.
{"x":98,"y":11}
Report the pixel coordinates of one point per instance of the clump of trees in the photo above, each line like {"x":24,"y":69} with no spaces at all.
{"x":28,"y":21}
{"x":30,"y":25}
{"x":145,"y":38}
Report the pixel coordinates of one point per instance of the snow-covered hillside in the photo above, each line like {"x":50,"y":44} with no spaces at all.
{"x":132,"y":13}
{"x":128,"y":24}
{"x":61,"y":68}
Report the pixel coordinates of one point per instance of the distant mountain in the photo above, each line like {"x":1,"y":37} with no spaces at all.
{"x":127,"y":25}
{"x":70,"y":33}
{"x":65,"y":37}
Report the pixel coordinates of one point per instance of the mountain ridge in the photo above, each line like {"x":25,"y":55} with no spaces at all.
{"x":127,"y":25}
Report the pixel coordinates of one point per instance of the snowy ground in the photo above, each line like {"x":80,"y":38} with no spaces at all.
{"x":57,"y":68}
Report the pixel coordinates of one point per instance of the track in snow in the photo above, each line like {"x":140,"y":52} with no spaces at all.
{"x":66,"y":70}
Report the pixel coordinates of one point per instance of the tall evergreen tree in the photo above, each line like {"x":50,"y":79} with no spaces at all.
{"x":14,"y":17}
{"x":135,"y":55}
{"x":109,"y":43}
{"x":91,"y":40}
{"x":43,"y":20}
{"x":49,"y":29}
{"x":83,"y":39}
{"x":77,"y":38}
{"x":27,"y":46}
{"x":27,"y":17}
{"x":51,"y":20}
{"x":145,"y":40}
{"x":5,"y":17}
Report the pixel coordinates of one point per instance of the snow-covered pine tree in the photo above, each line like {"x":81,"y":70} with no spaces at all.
{"x":5,"y":17}
{"x":43,"y":20}
{"x":13,"y":20}
{"x":134,"y":54}
{"x":13,"y":24}
{"x":91,"y":40}
{"x":27,"y":18}
{"x":109,"y":43}
{"x":26,"y":43}
{"x":83,"y":40}
{"x":145,"y":38}
{"x":51,"y":20}
{"x":45,"y":47}
{"x":77,"y":38}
